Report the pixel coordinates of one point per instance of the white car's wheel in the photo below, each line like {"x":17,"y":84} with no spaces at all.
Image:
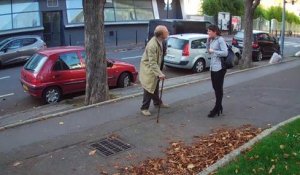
{"x":199,"y":66}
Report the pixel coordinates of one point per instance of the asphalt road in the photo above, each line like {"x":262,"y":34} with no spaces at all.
{"x":60,"y":145}
{"x":14,"y":99}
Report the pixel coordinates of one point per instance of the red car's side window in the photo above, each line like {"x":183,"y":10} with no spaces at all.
{"x":68,"y":61}
{"x":83,"y":56}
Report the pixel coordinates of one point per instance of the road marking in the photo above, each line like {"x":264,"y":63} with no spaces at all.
{"x":6,"y":95}
{"x":128,"y":58}
{"x":1,"y":78}
{"x":294,"y":44}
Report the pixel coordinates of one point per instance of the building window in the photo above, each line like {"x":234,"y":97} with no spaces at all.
{"x":19,"y":14}
{"x":109,"y":14}
{"x":52,"y":3}
{"x":6,"y":23}
{"x":74,"y":11}
{"x":75,"y":16}
{"x":114,"y":11}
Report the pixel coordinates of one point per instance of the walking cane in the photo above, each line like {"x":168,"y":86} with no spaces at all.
{"x":160,"y":95}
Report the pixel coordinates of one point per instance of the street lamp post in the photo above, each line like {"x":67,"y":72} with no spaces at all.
{"x":167,"y":9}
{"x":283,"y":29}
{"x":283,"y":26}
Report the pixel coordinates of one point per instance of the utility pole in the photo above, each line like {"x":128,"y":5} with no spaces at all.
{"x":283,"y":29}
{"x":283,"y":26}
{"x":168,"y":9}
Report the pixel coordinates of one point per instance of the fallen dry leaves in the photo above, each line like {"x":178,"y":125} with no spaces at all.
{"x":191,"y":159}
{"x":92,"y":153}
{"x":17,"y":163}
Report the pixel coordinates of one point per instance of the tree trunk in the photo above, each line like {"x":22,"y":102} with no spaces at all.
{"x":96,"y":77}
{"x":250,"y":6}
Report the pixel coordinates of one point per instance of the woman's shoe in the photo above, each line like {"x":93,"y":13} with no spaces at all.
{"x":213,"y":114}
{"x":215,"y":111}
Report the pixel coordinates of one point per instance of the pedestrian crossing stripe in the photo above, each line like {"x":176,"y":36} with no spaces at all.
{"x":292,"y":44}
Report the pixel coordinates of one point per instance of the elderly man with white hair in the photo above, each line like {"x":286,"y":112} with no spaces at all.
{"x":150,"y":70}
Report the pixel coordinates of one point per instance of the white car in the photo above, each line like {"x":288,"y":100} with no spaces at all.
{"x":188,"y":51}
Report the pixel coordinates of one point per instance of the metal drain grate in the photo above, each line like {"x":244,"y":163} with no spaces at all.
{"x":110,"y":146}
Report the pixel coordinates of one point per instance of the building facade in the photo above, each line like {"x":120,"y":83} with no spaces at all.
{"x":60,"y":22}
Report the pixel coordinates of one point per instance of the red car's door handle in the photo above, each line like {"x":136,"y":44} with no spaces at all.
{"x":56,"y":76}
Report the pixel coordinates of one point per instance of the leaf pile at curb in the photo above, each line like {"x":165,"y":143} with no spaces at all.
{"x":203,"y":152}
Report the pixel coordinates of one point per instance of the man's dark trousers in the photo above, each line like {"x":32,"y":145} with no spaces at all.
{"x":148,"y":96}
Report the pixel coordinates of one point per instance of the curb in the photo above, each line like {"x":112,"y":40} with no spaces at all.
{"x":60,"y":114}
{"x":231,"y":156}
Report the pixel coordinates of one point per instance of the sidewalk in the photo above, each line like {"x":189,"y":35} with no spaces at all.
{"x":76,"y":104}
{"x":61,"y":145}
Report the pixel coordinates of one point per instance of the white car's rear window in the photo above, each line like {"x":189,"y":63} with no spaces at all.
{"x":176,"y":43}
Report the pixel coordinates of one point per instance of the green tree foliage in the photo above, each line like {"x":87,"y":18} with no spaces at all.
{"x":259,"y":12}
{"x":289,"y":17}
{"x":236,"y":8}
{"x":213,"y":7}
{"x":274,"y":12}
{"x":292,"y":18}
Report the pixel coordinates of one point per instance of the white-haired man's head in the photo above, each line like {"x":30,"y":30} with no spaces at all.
{"x":161,"y":32}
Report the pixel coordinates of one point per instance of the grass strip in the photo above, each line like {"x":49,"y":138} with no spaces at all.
{"x":278,"y":153}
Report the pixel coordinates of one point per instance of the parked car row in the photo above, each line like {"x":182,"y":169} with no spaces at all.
{"x":188,"y":51}
{"x":54,"y":72}
{"x":51,"y":73}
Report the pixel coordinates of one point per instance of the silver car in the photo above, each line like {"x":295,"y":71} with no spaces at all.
{"x":188,"y":51}
{"x":19,"y":49}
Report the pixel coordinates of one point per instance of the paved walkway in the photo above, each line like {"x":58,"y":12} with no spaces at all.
{"x":61,"y":145}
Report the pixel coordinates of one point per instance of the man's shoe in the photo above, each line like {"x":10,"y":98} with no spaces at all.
{"x":146,"y":112}
{"x":163,"y":105}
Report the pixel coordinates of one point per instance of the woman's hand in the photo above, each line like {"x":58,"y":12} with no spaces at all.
{"x":211,"y":50}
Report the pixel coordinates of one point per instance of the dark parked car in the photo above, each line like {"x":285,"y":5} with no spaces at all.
{"x":178,"y":26}
{"x":19,"y":49}
{"x":53,"y":72}
{"x":263,"y":44}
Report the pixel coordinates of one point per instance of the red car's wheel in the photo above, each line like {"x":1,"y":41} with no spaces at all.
{"x":52,"y":95}
{"x":124,"y":80}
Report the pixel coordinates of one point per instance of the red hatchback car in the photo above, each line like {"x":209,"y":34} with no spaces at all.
{"x":53,"y":72}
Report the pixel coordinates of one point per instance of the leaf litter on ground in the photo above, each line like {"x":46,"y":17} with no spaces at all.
{"x":181,"y":158}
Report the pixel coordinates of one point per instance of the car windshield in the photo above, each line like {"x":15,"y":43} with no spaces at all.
{"x":35,"y":63}
{"x":177,"y":43}
{"x":3,"y":42}
{"x":240,"y":35}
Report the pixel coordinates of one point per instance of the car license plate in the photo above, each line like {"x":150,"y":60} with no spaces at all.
{"x":25,"y":87}
{"x":170,"y":58}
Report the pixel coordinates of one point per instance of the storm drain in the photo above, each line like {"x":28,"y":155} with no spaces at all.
{"x":110,"y":146}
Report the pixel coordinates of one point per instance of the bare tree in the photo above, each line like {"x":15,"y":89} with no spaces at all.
{"x":250,"y":6}
{"x":96,"y":77}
